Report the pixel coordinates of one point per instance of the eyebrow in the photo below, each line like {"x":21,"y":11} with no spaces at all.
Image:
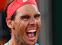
{"x":24,"y":16}
{"x":27,"y":16}
{"x":37,"y":15}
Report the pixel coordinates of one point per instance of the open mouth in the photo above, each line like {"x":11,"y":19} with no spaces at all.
{"x":31,"y":33}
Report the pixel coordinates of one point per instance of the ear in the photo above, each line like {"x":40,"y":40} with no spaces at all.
{"x":10,"y":24}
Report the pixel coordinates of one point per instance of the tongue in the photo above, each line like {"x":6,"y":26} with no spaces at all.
{"x":30,"y":34}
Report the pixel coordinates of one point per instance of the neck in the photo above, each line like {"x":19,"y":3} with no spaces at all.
{"x":15,"y":41}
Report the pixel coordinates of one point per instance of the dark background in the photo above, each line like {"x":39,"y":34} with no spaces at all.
{"x":57,"y":21}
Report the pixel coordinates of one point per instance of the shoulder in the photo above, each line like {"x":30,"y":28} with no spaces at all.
{"x":6,"y":43}
{"x":36,"y":44}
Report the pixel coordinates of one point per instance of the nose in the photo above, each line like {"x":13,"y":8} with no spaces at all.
{"x":32,"y":21}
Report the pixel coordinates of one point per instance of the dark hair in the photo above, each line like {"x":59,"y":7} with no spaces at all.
{"x":5,"y":15}
{"x":6,"y":30}
{"x":13,"y":16}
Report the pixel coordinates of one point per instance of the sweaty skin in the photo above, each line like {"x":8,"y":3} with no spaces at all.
{"x":27,"y":19}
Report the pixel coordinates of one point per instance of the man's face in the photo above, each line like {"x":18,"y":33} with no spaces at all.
{"x":27,"y":24}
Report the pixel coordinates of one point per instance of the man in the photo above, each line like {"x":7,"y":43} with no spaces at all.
{"x":23,"y":19}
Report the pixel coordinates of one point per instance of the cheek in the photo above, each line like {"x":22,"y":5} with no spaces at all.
{"x":20,"y":27}
{"x":39,"y":22}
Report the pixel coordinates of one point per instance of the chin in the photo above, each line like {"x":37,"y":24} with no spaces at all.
{"x":30,"y":41}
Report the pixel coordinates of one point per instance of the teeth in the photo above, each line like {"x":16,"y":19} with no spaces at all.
{"x":31,"y":30}
{"x":31,"y":33}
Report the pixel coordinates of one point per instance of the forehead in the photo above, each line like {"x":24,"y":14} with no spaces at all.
{"x":27,"y":9}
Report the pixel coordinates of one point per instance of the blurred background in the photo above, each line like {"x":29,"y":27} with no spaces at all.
{"x":45,"y":7}
{"x":45,"y":36}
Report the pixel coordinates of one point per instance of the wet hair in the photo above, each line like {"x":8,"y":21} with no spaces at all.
{"x":13,"y":16}
{"x":5,"y":15}
{"x":5,"y":29}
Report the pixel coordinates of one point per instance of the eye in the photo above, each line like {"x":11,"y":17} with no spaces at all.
{"x":25,"y":17}
{"x":37,"y":16}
